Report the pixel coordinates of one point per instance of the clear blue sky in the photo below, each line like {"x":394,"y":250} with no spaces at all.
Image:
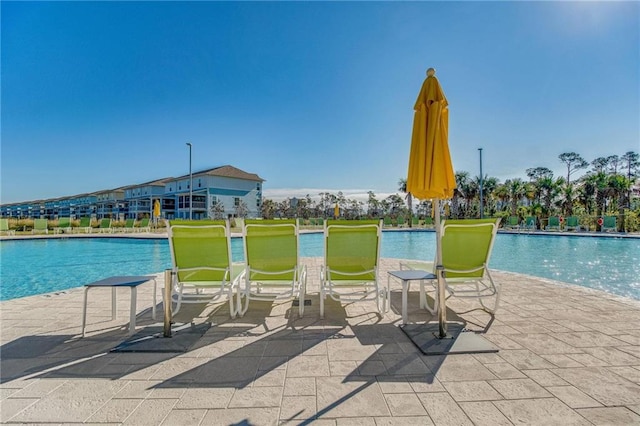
{"x":310,"y":96}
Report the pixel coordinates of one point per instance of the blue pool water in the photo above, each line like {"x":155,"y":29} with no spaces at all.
{"x":45,"y":265}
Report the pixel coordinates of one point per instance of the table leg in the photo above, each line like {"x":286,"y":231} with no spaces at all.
{"x":405,"y":290}
{"x":153,"y":309}
{"x":132,"y":313}
{"x":84,"y":310}
{"x":113,"y":303}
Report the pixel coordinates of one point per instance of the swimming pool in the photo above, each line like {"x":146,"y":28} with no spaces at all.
{"x":45,"y":265}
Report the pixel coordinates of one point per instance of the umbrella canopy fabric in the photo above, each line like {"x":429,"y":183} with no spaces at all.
{"x":336,"y":211}
{"x":430,"y":174}
{"x":156,"y":208}
{"x":430,"y":170}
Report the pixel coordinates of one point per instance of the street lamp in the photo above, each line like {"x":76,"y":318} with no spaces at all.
{"x":190,"y":185}
{"x":481,"y":178}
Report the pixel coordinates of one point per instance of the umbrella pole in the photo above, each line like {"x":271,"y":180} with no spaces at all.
{"x":442,"y":307}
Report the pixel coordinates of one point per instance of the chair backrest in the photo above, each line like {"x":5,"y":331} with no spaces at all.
{"x":200,"y":250}
{"x":40,"y":224}
{"x":467,"y":245}
{"x":353,"y":248}
{"x":609,"y":222}
{"x":271,"y":249}
{"x":129,"y":223}
{"x":64,"y":222}
{"x":85,"y":222}
{"x":4,"y":224}
{"x":530,"y":222}
{"x":512,"y":220}
{"x":105,"y":223}
{"x":572,"y":221}
{"x":554,"y":221}
{"x":144,"y":222}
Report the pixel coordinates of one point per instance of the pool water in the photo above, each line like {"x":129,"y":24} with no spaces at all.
{"x":45,"y":265}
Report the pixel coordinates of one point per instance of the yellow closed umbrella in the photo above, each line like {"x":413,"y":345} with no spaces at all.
{"x":336,"y":211}
{"x":430,"y":174}
{"x":156,"y":209}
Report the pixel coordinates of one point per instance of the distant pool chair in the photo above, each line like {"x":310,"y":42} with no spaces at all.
{"x":609,"y":224}
{"x":351,"y":262}
{"x":273,"y":270}
{"x":466,"y":250}
{"x":554,"y":223}
{"x":529,"y":223}
{"x":40,"y":226}
{"x":143,"y":225}
{"x":572,"y":224}
{"x":64,"y":225}
{"x":512,"y":223}
{"x":4,"y":227}
{"x":85,"y":225}
{"x":202,"y":269}
{"x":105,"y":226}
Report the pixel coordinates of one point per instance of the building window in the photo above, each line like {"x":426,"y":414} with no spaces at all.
{"x":236,"y":201}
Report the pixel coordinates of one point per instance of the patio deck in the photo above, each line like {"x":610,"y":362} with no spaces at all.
{"x":568,"y":356}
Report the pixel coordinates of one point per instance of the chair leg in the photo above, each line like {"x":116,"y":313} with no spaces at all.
{"x":84,"y":310}
{"x":322,"y":300}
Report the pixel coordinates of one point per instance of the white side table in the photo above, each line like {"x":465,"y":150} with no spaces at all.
{"x":405,"y":277}
{"x":121,"y":281}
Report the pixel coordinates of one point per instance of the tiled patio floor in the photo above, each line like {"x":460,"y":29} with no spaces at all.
{"x":567,"y":356}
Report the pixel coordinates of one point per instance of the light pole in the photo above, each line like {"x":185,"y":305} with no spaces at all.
{"x":481,"y":178}
{"x":190,"y":185}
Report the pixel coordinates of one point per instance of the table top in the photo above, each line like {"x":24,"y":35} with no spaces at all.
{"x":412,"y":274}
{"x":123,"y":281}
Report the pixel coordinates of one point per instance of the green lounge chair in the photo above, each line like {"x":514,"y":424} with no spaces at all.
{"x":351,"y":259}
{"x":143,"y":225}
{"x":64,"y":225}
{"x":529,"y":223}
{"x":609,"y":224}
{"x":129,"y":226}
{"x":428,"y":222}
{"x":85,"y":225}
{"x":202,"y":270}
{"x":40,"y":226}
{"x":320,"y":221}
{"x":105,"y":226}
{"x":273,"y":271}
{"x":572,"y":224}
{"x":554,"y":223}
{"x":387,"y":222}
{"x":466,"y":250}
{"x":400,"y":220}
{"x":513,"y":222}
{"x":415,"y":221}
{"x":4,"y":227}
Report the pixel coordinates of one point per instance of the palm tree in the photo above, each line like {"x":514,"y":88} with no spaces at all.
{"x":403,"y":188}
{"x":516,"y":192}
{"x":462,"y":179}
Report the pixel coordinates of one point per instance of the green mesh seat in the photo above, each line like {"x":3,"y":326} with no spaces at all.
{"x":351,"y":261}
{"x":273,"y":271}
{"x":128,"y":225}
{"x":4,"y":227}
{"x":85,"y":224}
{"x":554,"y":223}
{"x":105,"y":226}
{"x":143,"y":225}
{"x":529,"y":223}
{"x":571,"y":224}
{"x":202,"y":270}
{"x":40,"y":226}
{"x":466,"y":250}
{"x":609,"y":224}
{"x":64,"y":225}
{"x":513,"y":222}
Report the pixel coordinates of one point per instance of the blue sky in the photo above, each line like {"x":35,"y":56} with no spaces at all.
{"x":311,"y":96}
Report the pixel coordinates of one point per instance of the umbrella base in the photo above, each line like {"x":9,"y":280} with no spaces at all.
{"x":457,"y":341}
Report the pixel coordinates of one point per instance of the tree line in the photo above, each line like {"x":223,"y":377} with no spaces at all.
{"x":604,"y":189}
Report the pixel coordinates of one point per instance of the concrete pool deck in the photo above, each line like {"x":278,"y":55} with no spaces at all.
{"x":568,"y":355}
